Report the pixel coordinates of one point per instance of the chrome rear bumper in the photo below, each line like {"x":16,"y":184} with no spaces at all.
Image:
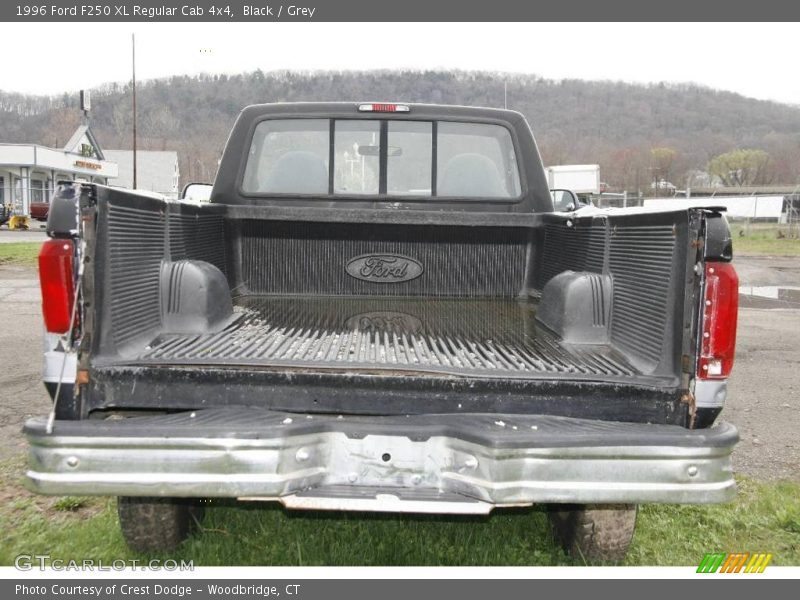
{"x":433,"y":463}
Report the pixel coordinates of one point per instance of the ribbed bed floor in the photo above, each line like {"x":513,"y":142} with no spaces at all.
{"x":467,"y":337}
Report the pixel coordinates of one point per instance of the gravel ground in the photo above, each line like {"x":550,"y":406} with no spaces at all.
{"x":22,"y":394}
{"x":768,"y":270}
{"x":763,"y":393}
{"x":763,"y":400}
{"x":34,"y":234}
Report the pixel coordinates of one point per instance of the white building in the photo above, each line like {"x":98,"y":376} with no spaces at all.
{"x":156,"y":171}
{"x":29,"y":172}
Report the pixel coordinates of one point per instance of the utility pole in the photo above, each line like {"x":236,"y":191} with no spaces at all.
{"x":133,"y":68}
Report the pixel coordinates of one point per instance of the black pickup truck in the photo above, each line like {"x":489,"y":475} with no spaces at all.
{"x":380,"y":310}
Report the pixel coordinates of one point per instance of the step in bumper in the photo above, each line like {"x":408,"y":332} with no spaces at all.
{"x":489,"y":460}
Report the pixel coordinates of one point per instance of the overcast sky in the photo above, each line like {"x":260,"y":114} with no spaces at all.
{"x":756,"y":60}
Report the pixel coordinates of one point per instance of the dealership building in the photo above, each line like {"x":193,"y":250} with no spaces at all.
{"x":29,"y":173}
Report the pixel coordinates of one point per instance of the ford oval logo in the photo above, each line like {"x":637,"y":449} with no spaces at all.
{"x":384,"y":322}
{"x":384,"y":268}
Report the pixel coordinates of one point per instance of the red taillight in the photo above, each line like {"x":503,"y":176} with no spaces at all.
{"x":383,"y":107}
{"x":720,"y":310}
{"x":58,"y":285}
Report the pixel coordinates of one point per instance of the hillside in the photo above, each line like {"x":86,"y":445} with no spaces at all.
{"x":611,"y":123}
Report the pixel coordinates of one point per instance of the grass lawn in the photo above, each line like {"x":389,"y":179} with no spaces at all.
{"x":764,"y":239}
{"x":19,"y":253}
{"x":764,"y":518}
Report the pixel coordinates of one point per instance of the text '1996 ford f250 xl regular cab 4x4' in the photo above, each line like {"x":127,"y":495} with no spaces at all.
{"x":380,"y":310}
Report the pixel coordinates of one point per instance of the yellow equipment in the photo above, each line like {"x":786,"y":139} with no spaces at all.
{"x":19,"y":222}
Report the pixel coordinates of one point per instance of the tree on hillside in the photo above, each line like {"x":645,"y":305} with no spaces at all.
{"x":59,"y":125}
{"x":661,"y":160}
{"x":744,"y":166}
{"x":627,"y":168}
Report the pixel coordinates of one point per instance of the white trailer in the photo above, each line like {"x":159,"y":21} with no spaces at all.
{"x":581,"y":179}
{"x":738,"y":207}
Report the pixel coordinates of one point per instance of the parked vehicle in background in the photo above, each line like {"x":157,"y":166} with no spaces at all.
{"x":664,"y":186}
{"x":380,"y":310}
{"x":39,"y":210}
{"x":581,"y":179}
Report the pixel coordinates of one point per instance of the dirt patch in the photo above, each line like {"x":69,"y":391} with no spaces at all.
{"x":16,"y":498}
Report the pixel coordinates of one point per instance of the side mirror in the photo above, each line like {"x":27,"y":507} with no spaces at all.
{"x":197,"y":192}
{"x":565,"y":200}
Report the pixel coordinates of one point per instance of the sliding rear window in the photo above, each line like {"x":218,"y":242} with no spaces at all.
{"x":409,"y":158}
{"x":372,"y":157}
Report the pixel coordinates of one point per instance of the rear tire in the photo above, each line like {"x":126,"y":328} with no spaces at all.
{"x":594,"y":532}
{"x":151,"y":524}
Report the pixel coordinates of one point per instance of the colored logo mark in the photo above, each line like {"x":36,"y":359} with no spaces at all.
{"x":736,"y":562}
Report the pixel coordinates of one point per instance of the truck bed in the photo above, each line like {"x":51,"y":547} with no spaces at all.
{"x":255,"y":306}
{"x":459,"y":336}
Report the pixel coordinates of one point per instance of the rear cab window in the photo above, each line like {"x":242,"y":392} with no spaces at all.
{"x":476,"y":159}
{"x":381,"y":157}
{"x":289,"y":156}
